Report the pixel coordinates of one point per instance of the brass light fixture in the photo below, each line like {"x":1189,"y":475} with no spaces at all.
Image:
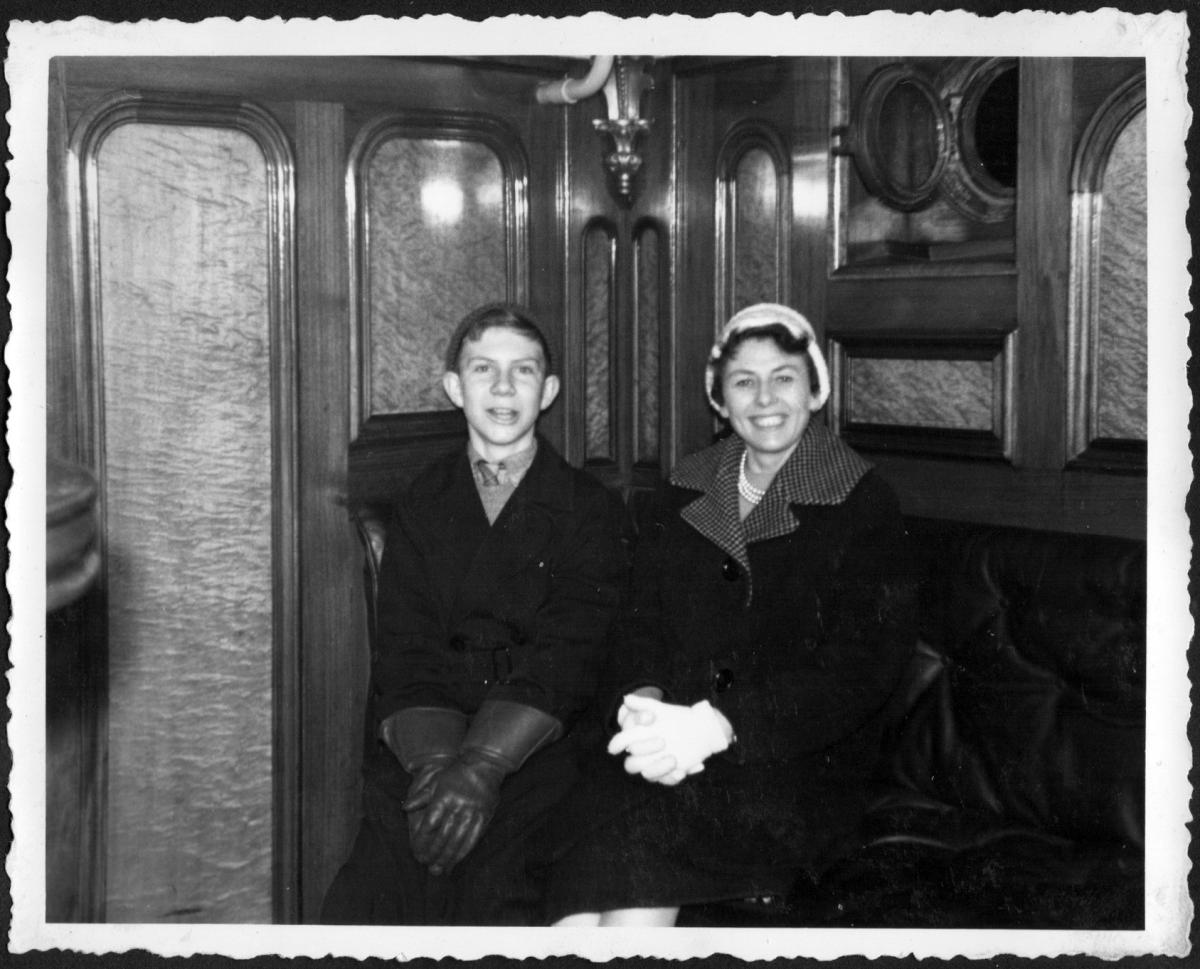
{"x":624,"y":80}
{"x":623,"y":92}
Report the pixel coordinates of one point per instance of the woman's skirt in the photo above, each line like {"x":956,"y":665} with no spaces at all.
{"x":727,"y":832}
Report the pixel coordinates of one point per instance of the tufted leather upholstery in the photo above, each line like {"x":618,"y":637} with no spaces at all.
{"x":1011,"y":783}
{"x":1025,"y":707}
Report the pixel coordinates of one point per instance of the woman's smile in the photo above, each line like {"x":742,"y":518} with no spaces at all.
{"x":767,"y":399}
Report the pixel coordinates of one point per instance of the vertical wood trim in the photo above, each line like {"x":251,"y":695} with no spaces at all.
{"x":695,"y":291}
{"x":587,"y":204}
{"x":1043,"y":262}
{"x":333,"y":653}
{"x":573,"y":437}
{"x":668,"y":363}
{"x":542,"y":131}
{"x":623,"y":349}
{"x":812,"y":163}
{"x":82,"y":395}
{"x":62,"y":414}
{"x":76,"y":640}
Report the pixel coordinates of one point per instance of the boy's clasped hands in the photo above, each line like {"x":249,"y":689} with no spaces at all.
{"x":666,"y":742}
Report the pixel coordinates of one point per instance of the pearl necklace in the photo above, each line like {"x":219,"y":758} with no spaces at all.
{"x":750,"y":493}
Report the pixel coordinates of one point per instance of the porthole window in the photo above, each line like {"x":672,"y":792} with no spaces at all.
{"x":900,"y":136}
{"x":918,"y":136}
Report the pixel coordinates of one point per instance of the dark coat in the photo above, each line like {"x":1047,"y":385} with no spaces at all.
{"x":516,"y":610}
{"x":796,"y":624}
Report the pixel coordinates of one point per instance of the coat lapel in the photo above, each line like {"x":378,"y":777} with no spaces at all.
{"x":715,"y":513}
{"x":821,"y":471}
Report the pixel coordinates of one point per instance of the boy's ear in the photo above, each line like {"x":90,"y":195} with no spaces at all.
{"x":550,"y":388}
{"x":452,"y":384}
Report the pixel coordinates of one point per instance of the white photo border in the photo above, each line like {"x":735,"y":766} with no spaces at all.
{"x":1161,"y":38}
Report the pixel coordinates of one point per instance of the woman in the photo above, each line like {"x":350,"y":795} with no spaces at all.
{"x":769,"y":617}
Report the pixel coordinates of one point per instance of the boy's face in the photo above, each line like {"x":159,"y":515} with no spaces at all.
{"x":502,"y":386}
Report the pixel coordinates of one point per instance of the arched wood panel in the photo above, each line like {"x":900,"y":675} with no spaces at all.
{"x":184,"y":283}
{"x":1108,"y":316}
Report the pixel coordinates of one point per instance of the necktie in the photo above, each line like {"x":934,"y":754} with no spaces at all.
{"x":487,"y":477}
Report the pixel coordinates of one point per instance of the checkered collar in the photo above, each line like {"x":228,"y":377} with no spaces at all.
{"x":821,"y":471}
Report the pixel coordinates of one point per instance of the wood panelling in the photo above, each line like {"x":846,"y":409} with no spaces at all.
{"x":438,"y":229}
{"x":992,"y":494}
{"x":76,"y":673}
{"x":76,"y":661}
{"x":599,"y":328}
{"x":1028,"y":298}
{"x":188,"y":339}
{"x":908,"y":303}
{"x":494,"y":102}
{"x":649,"y":312}
{"x":1121,"y":326}
{"x":753,"y":217}
{"x":62,"y":357}
{"x":1108,"y":325}
{"x":614,"y":405}
{"x":321,"y":773}
{"x":811,"y":187}
{"x":1043,"y":263}
{"x":371,"y":84}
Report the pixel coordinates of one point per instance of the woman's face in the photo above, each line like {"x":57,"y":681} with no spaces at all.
{"x":768,"y":398}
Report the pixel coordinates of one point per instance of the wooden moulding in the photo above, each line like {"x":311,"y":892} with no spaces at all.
{"x":994,"y":347}
{"x":1086,"y":447}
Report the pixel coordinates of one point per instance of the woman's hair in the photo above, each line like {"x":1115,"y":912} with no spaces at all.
{"x":506,"y":315}
{"x":783,"y":338}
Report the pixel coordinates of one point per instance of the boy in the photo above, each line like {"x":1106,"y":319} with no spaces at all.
{"x":500,"y":574}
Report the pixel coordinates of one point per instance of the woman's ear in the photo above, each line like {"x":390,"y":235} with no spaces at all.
{"x":550,"y":388}
{"x":452,"y":384}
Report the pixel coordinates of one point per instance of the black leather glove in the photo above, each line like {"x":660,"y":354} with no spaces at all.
{"x":425,"y":740}
{"x":458,"y":801}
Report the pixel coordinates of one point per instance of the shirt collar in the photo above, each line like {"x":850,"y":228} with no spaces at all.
{"x":510,"y":471}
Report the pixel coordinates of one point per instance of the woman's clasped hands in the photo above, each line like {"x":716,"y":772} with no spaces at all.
{"x":666,"y":742}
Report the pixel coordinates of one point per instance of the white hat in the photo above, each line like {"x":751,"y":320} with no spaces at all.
{"x":764,"y":314}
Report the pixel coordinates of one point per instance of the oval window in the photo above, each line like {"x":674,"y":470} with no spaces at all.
{"x":899,"y":137}
{"x":981,"y":177}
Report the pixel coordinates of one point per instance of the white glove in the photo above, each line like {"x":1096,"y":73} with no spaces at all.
{"x":665,"y":742}
{"x":652,"y":764}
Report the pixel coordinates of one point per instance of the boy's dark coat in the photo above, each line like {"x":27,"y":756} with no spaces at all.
{"x":518,"y":610}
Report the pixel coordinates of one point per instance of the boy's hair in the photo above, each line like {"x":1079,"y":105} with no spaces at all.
{"x":506,"y":315}
{"x":783,"y":338}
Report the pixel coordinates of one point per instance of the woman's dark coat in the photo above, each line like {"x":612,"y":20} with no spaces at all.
{"x":795,"y":624}
{"x":468,"y":611}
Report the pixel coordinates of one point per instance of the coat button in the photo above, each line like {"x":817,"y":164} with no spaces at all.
{"x":731,"y":570}
{"x":723,"y":680}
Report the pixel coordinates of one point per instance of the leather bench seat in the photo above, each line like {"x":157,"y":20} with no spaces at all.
{"x":1010,"y":788}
